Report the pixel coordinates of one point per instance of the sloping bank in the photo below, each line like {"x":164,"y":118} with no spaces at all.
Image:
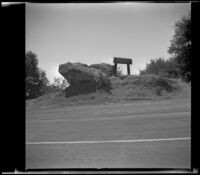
{"x":123,"y":90}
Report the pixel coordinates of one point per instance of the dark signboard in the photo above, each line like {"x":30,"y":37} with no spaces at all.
{"x":122,"y":60}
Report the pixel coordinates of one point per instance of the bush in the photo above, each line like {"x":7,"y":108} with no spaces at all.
{"x":104,"y":84}
{"x":32,"y":87}
{"x":164,"y":84}
{"x":162,"y":68}
{"x":60,"y":83}
{"x":150,"y":82}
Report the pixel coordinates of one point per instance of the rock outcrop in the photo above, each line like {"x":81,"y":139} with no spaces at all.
{"x":82,"y":79}
{"x":107,"y":69}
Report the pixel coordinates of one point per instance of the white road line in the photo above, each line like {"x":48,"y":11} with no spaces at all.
{"x":111,"y":141}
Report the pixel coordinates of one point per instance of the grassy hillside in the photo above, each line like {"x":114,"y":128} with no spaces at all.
{"x":124,"y":89}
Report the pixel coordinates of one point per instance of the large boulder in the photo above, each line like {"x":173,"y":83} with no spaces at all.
{"x":82,"y":79}
{"x":107,"y":69}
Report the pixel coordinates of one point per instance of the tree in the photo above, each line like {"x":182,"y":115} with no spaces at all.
{"x":32,"y":69}
{"x":181,"y":47}
{"x":43,"y":82}
{"x":36,"y":79}
{"x":172,"y":68}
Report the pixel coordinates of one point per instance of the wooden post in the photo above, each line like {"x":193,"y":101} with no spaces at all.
{"x":115,"y":69}
{"x":128,"y":69}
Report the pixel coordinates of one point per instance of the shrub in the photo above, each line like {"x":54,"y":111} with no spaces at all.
{"x":104,"y":84}
{"x":60,"y":83}
{"x":161,"y":67}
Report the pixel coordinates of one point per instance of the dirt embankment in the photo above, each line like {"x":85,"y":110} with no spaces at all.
{"x":123,"y":90}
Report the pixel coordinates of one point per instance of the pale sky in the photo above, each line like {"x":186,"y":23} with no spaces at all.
{"x":95,"y":33}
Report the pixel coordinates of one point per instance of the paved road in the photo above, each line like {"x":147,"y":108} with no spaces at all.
{"x":152,"y":134}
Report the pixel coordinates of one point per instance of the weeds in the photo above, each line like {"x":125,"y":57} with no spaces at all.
{"x":116,"y":90}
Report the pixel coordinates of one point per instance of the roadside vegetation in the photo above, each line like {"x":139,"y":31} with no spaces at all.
{"x":37,"y":84}
{"x":179,"y":64}
{"x":163,"y":68}
{"x":123,"y":90}
{"x":36,"y":80}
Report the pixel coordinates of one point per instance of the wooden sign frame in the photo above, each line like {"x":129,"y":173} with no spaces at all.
{"x":118,"y":60}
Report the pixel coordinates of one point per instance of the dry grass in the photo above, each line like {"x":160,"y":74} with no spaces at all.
{"x":124,"y":89}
